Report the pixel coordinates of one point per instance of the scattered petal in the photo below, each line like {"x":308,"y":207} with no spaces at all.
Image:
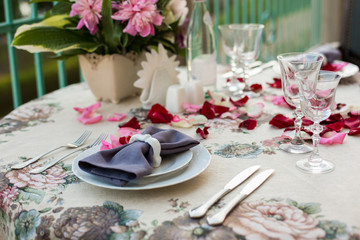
{"x":90,"y":117}
{"x":276,"y":83}
{"x":241,"y":102}
{"x":116,"y":117}
{"x":336,"y":126}
{"x":280,"y":121}
{"x":354,"y":131}
{"x":332,"y":138}
{"x":127,"y":131}
{"x":159,"y":114}
{"x":333,"y":118}
{"x":93,"y":107}
{"x":256,"y":87}
{"x":191,"y":108}
{"x":231,"y":115}
{"x":249,"y":124}
{"x":198,"y":119}
{"x":211,"y":111}
{"x":334,"y":66}
{"x":181,"y":122}
{"x":132,"y":123}
{"x":204,"y":133}
{"x":306,"y":122}
{"x":352,"y":122}
{"x":255,"y":110}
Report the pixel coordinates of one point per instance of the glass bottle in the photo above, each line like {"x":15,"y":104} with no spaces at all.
{"x":200,"y":46}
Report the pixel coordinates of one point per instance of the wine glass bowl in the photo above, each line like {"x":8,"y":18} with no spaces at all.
{"x":241,"y":42}
{"x":316,"y":102}
{"x":290,"y":64}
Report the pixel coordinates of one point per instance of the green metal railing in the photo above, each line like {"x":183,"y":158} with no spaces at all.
{"x":291,"y":25}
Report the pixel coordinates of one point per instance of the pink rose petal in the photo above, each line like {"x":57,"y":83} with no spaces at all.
{"x":332,"y":138}
{"x":93,"y":107}
{"x":90,"y":117}
{"x":116,"y":117}
{"x":181,"y":122}
{"x":127,"y":131}
{"x":191,"y":108}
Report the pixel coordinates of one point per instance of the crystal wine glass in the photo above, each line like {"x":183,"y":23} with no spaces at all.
{"x":291,"y":63}
{"x":317,"y":95}
{"x":248,"y":49}
{"x":229,"y":42}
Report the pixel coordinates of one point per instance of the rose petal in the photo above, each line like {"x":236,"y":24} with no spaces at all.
{"x":276,"y":83}
{"x":352,"y":122}
{"x":280,"y":121}
{"x":334,"y":66}
{"x":306,"y":122}
{"x":127,"y":131}
{"x":333,"y":138}
{"x":255,"y":110}
{"x":241,"y":102}
{"x":115,"y":117}
{"x":191,"y":108}
{"x":354,"y":131}
{"x":90,"y":117}
{"x":132,"y":123}
{"x":336,"y":126}
{"x":230,"y":115}
{"x":256,"y":87}
{"x":93,"y":107}
{"x":159,"y":114}
{"x":333,"y":118}
{"x":181,"y":122}
{"x":203,"y":132}
{"x":249,"y":124}
{"x":198,"y":119}
{"x":211,"y":111}
{"x":355,"y":112}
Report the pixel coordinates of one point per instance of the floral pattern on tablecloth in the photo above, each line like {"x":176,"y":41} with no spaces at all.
{"x":27,"y":115}
{"x":262,"y":219}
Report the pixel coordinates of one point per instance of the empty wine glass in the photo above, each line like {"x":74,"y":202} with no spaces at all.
{"x":230,"y":45}
{"x":248,"y":50}
{"x":317,"y":97}
{"x":290,"y":64}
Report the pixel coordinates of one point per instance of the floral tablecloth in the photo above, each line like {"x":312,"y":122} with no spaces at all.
{"x":290,"y":205}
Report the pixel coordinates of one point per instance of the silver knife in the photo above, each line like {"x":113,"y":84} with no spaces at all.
{"x":238,"y":179}
{"x":219,"y":217}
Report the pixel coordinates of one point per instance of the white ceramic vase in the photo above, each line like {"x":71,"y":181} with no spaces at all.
{"x":110,"y":77}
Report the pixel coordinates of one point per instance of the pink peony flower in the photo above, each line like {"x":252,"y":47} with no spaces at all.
{"x":7,"y":196}
{"x":273,"y":220}
{"x":141,"y":14}
{"x":89,"y":12}
{"x":22,"y":178}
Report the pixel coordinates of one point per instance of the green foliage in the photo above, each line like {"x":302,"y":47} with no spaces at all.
{"x":58,"y":33}
{"x":30,"y":194}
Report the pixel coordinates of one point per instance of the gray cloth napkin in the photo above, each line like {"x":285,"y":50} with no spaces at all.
{"x":331,"y":54}
{"x":134,"y":160}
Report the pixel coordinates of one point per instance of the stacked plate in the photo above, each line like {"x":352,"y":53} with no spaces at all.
{"x":174,"y":169}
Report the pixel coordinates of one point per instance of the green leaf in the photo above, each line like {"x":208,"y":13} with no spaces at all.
{"x":114,"y":206}
{"x":59,"y":9}
{"x":52,"y":39}
{"x":39,"y":1}
{"x":292,"y":202}
{"x":30,"y":194}
{"x":310,"y":208}
{"x":108,"y":25}
{"x":45,"y":210}
{"x":161,"y":4}
{"x":130,"y":215}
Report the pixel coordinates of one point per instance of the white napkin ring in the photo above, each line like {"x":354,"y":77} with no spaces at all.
{"x":153,"y":142}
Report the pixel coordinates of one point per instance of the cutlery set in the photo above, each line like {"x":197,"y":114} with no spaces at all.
{"x":75,"y":145}
{"x":219,"y":217}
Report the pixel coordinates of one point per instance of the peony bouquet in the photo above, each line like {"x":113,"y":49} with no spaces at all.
{"x":74,"y":27}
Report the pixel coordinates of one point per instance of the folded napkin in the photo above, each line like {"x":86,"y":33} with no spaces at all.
{"x":330,"y":53}
{"x":135,"y":160}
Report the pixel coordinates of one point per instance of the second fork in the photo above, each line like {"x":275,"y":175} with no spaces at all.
{"x":96,"y":142}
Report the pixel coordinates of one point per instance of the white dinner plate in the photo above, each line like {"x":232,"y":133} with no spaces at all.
{"x":199,"y":162}
{"x":347,"y":71}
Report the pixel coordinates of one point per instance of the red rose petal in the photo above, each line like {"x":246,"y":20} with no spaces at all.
{"x":203,"y":132}
{"x":241,"y":102}
{"x":249,"y":124}
{"x":336,"y":126}
{"x":354,"y":131}
{"x":352,"y":122}
{"x":256,"y":88}
{"x":333,"y":118}
{"x":124,"y":140}
{"x":241,"y":80}
{"x":132,"y":123}
{"x":280,"y":121}
{"x":159,"y":114}
{"x":306,"y":122}
{"x":276,"y":83}
{"x":211,"y":111}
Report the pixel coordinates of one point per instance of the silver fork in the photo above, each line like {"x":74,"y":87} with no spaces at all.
{"x":77,"y":143}
{"x":96,"y":142}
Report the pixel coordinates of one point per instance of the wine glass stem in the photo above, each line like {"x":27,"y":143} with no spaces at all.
{"x":315,"y":158}
{"x":234,"y":68}
{"x":297,"y":140}
{"x":246,"y":69}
